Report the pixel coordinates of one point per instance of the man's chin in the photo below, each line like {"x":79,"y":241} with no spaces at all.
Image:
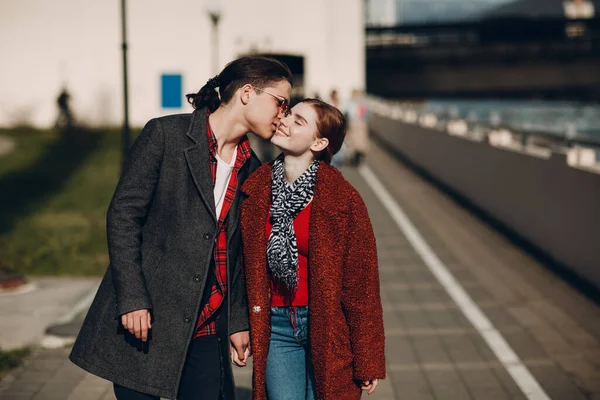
{"x":269,"y":135}
{"x":263,"y":135}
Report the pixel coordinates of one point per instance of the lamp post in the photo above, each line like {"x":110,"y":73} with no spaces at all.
{"x":126,"y":137}
{"x":400,"y":13}
{"x":214,"y":13}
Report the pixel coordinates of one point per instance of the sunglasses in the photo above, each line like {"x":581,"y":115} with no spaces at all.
{"x":282,"y":102}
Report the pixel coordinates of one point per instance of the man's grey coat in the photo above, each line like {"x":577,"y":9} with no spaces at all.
{"x":161,"y":228}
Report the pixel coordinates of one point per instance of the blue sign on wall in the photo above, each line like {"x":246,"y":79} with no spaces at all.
{"x":172,"y":95}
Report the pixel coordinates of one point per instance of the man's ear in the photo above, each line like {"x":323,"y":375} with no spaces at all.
{"x":245,"y":93}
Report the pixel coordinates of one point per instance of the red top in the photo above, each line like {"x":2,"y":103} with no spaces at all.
{"x":280,"y":295}
{"x":205,"y":325}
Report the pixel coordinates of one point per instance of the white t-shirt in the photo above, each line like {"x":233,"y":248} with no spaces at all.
{"x":223,"y":175}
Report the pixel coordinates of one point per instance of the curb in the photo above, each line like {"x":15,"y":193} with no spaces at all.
{"x":64,"y":330}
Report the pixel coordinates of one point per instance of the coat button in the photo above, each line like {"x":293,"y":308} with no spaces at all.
{"x":187,"y":320}
{"x":256,"y":309}
{"x":207,"y":236}
{"x":197,"y":278}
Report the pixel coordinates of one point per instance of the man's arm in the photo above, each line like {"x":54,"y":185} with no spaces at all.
{"x":127,"y":215}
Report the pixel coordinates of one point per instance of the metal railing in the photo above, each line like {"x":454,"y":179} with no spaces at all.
{"x":470,"y":126}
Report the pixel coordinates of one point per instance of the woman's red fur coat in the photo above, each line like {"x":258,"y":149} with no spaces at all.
{"x":345,"y":313}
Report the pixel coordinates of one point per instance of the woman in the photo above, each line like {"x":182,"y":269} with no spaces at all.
{"x":311,"y":268}
{"x":173,"y":299}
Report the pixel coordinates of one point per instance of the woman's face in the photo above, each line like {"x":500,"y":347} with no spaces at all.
{"x":297,"y":133}
{"x":265,"y":111}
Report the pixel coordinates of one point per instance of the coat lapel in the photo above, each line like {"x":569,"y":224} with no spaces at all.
{"x":198,"y":160}
{"x":255,"y":211}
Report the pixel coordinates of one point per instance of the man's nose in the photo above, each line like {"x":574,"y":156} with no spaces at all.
{"x":282,"y":119}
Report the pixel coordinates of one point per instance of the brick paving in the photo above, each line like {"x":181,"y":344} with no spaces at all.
{"x":432,"y":350}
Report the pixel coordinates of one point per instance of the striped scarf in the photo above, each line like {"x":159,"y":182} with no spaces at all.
{"x":287,"y":202}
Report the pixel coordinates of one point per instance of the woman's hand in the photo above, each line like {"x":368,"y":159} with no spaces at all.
{"x":370,"y":385}
{"x":138,"y":323}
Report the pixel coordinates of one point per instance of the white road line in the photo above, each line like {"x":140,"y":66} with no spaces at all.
{"x":509,"y":359}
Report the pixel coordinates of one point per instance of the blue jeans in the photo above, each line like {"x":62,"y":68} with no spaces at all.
{"x":290,"y":374}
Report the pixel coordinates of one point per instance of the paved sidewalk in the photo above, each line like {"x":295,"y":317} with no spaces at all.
{"x":49,"y":375}
{"x":27,"y":312}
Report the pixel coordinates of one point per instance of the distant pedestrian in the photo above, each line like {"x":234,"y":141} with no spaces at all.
{"x":339,"y":157}
{"x":65,"y":116}
{"x":334,"y":99}
{"x":358,"y":129}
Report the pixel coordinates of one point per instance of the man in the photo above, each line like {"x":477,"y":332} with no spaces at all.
{"x":173,"y":299}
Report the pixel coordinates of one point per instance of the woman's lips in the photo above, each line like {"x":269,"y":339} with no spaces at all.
{"x":280,"y":132}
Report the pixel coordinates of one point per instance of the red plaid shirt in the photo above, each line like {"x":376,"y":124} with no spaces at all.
{"x":206,"y":325}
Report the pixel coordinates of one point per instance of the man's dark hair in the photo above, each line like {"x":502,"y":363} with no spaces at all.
{"x":258,"y":71}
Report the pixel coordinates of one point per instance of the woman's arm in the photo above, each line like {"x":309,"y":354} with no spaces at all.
{"x":361,"y":298}
{"x":127,"y":215}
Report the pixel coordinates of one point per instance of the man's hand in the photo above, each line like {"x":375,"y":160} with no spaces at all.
{"x":240,"y":348}
{"x":137,"y":323}
{"x":370,"y":385}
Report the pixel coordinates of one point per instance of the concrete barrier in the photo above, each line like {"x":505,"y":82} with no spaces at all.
{"x":537,"y":195}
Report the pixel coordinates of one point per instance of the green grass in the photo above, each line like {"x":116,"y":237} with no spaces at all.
{"x":12,"y":359}
{"x":54,"y":194}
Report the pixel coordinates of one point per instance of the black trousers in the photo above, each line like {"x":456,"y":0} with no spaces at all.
{"x":202,"y":377}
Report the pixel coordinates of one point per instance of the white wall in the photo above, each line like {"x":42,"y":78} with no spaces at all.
{"x":78,"y":43}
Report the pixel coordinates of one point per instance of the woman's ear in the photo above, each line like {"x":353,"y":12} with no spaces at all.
{"x":320,"y":144}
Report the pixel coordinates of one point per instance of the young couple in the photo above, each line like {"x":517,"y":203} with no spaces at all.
{"x":182,"y":294}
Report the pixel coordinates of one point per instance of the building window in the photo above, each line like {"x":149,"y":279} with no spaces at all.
{"x":172,"y":96}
